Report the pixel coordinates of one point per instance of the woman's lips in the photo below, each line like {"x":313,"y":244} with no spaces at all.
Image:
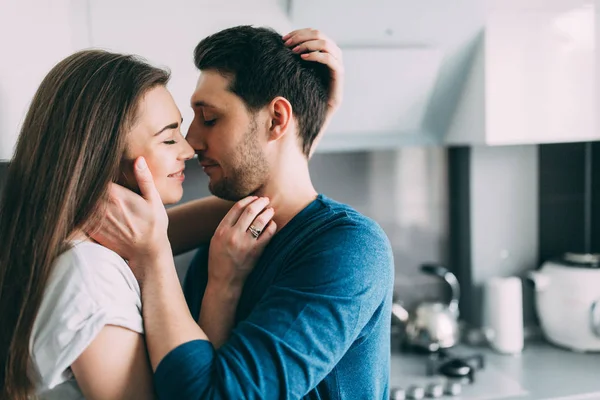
{"x":180,"y":176}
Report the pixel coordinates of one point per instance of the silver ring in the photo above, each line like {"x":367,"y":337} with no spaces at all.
{"x":254,"y":232}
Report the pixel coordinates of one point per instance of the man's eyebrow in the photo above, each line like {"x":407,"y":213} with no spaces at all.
{"x":201,"y":103}
{"x":174,"y":125}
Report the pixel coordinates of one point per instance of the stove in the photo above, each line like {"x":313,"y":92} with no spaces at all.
{"x":448,"y":374}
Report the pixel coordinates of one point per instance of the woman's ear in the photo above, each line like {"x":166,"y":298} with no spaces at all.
{"x":280,"y":111}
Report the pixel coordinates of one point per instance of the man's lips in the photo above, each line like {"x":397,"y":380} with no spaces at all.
{"x":206,"y":165}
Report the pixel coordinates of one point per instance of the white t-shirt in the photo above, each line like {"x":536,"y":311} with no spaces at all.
{"x":90,"y":287}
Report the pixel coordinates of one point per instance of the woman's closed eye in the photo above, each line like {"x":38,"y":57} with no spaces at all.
{"x":169,"y":142}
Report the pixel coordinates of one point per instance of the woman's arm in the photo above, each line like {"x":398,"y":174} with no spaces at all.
{"x":144,"y":222}
{"x":194,"y":223}
{"x":115,"y":366}
{"x":313,"y":45}
{"x":233,"y":248}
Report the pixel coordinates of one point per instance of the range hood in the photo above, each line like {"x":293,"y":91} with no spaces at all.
{"x":406,"y":66}
{"x":390,"y":98}
{"x":401,"y":96}
{"x":395,"y":94}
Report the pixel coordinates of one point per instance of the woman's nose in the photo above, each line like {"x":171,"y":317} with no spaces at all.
{"x":188,"y":151}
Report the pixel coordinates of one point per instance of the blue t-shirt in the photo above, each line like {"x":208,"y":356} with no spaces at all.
{"x":313,"y":320}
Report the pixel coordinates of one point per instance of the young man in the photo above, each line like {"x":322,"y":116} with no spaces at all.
{"x":313,"y":319}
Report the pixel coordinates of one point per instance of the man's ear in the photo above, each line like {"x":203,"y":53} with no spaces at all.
{"x":280,"y":113}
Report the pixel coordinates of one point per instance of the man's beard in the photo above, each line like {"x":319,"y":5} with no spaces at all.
{"x":247,"y":171}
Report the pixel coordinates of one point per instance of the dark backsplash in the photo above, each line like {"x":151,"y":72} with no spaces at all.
{"x":569,"y":208}
{"x":3,"y":169}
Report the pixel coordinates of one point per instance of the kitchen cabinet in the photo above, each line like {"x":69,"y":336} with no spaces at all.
{"x":35,"y":35}
{"x":533,"y":79}
{"x":528,"y":67}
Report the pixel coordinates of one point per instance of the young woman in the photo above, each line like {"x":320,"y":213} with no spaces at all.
{"x":71,"y":323}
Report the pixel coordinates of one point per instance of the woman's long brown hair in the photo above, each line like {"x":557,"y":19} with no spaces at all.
{"x":69,"y":150}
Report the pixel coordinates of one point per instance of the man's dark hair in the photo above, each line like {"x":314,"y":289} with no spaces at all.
{"x":261,"y":68}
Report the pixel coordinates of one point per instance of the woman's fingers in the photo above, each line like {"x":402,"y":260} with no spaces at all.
{"x":319,"y":41}
{"x":322,"y":46}
{"x":324,"y":58}
{"x":266,"y":235}
{"x":231,"y":218}
{"x":250,"y":213}
{"x":261,"y":221}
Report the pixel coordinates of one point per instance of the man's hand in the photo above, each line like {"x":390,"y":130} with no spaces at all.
{"x":133,"y":226}
{"x":313,"y":45}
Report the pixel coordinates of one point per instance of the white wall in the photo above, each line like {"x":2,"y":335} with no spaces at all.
{"x":36,"y":34}
{"x":504,"y":214}
{"x":166,"y":33}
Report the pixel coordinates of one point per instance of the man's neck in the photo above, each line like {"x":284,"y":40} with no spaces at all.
{"x":290,"y":190}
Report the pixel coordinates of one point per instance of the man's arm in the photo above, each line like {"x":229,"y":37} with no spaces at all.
{"x":193,"y":223}
{"x":299,"y":331}
{"x":163,"y":303}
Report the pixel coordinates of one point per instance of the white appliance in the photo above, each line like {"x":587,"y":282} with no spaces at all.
{"x":503,"y":314}
{"x":567,"y":298}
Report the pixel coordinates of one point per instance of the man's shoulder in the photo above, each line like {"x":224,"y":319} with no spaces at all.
{"x":339,"y":235}
{"x":342,"y":219}
{"x":344,"y":248}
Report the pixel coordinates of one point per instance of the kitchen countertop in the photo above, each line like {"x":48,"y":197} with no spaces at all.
{"x":541,"y":371}
{"x":549,"y":372}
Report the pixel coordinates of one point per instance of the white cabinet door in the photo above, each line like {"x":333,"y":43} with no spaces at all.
{"x":34,"y":36}
{"x":540,"y":76}
{"x":166,"y":33}
{"x":534,"y":78}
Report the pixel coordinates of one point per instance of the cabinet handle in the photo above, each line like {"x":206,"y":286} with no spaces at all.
{"x":595,"y":318}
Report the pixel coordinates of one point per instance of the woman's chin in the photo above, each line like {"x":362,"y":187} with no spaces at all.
{"x":171,"y":197}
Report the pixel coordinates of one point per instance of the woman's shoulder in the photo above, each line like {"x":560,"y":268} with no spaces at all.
{"x":84,"y":255}
{"x":89,"y":287}
{"x":93,"y":268}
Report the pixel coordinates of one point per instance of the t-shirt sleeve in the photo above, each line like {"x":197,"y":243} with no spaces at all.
{"x":90,"y":287}
{"x":303,"y":325}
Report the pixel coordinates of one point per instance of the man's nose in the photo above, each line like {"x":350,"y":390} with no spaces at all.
{"x":195,"y":139}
